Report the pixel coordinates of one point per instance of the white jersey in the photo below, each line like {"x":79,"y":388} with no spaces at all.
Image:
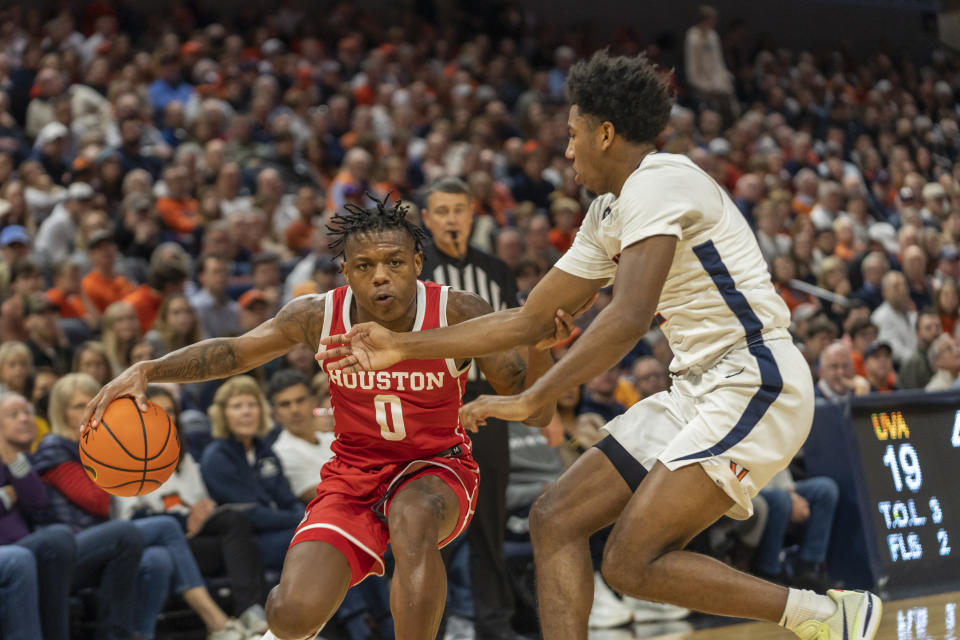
{"x":718,"y":290}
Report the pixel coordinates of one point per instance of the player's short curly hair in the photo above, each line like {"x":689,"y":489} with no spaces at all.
{"x":380,"y":217}
{"x":628,"y":92}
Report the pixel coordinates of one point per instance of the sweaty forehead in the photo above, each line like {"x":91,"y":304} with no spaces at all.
{"x":374,"y":243}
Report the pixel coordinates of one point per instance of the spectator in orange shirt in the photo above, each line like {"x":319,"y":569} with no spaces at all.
{"x":65,"y":294}
{"x":180,"y":212}
{"x":166,"y":278}
{"x":492,"y":198}
{"x":565,"y":213}
{"x":309,"y":205}
{"x":103,"y":286}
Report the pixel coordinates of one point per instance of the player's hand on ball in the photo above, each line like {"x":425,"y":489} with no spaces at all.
{"x":564,"y":328}
{"x":132,"y":382}
{"x":366,"y":347}
{"x":473,"y":414}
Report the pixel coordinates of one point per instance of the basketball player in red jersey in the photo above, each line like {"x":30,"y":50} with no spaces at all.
{"x":403,"y":472}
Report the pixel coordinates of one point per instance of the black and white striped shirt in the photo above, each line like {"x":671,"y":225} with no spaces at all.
{"x":477,"y":272}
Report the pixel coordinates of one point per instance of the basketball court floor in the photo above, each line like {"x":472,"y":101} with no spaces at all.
{"x":928,"y":618}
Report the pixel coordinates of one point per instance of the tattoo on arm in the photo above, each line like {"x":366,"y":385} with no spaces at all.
{"x":203,"y":361}
{"x":301,"y":319}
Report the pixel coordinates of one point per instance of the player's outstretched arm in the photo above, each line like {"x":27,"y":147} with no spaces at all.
{"x":369,"y":346}
{"x":640,"y":276}
{"x":508,"y":371}
{"x":300,"y":320}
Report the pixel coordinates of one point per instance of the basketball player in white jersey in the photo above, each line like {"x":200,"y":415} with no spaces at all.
{"x":742,"y":400}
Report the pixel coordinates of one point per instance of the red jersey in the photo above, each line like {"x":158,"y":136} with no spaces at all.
{"x":405,"y":412}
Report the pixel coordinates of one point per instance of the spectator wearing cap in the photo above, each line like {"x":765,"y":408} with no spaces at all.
{"x":837,"y":376}
{"x":166,"y":278}
{"x":49,"y":149}
{"x":878,"y":367}
{"x":57,"y":234}
{"x":25,"y":281}
{"x":178,"y":210}
{"x":873,"y":268}
{"x":896,"y":318}
{"x":169,"y":85}
{"x":254,"y":309}
{"x":916,"y":371}
{"x":102,"y":285}
{"x":14,"y":246}
{"x":944,"y":354}
{"x":46,"y":341}
{"x":218,"y":314}
{"x":727,"y":172}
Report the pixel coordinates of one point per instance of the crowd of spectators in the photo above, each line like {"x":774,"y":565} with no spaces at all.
{"x":166,"y":177}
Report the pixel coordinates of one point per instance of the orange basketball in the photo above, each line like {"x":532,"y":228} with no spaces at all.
{"x":130,"y":453}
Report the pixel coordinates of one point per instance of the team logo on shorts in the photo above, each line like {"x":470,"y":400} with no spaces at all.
{"x":740,"y":472}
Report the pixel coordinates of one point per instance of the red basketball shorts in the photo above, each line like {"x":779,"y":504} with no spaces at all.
{"x":352,"y":506}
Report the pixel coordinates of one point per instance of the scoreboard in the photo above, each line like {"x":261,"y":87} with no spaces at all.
{"x":909,"y":485}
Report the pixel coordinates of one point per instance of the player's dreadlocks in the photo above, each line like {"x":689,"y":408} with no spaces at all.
{"x":355,"y":219}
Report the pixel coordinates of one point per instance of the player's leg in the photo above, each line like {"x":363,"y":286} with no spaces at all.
{"x":644,"y":556}
{"x":589,"y":496}
{"x":423,"y":512}
{"x":315,"y":578}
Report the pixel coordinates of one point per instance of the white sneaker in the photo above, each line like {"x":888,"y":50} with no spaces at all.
{"x":459,"y":628}
{"x":233,"y":631}
{"x":644,"y":611}
{"x":608,"y":610}
{"x":254,"y":619}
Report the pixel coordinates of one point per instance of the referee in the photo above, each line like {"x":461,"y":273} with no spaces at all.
{"x":449,"y":259}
